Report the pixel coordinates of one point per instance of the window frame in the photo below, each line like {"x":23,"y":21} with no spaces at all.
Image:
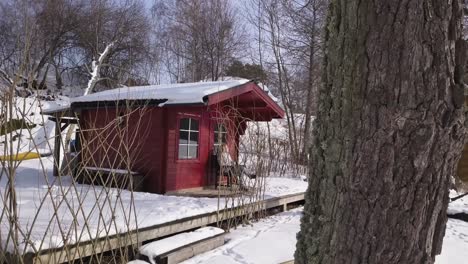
{"x":179,"y":122}
{"x":216,"y":135}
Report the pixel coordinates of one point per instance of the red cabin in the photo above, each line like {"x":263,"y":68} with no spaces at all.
{"x":168,"y":133}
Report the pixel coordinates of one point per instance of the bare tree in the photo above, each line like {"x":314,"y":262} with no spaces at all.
{"x":305,"y":24}
{"x":200,"y":39}
{"x":292,"y":31}
{"x":126,"y":26}
{"x":68,"y":35}
{"x":269,"y":20}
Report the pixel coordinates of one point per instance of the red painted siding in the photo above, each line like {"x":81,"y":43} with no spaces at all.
{"x":104,"y":145}
{"x":152,"y":134}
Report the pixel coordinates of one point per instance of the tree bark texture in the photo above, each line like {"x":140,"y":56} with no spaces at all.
{"x":388,"y":134}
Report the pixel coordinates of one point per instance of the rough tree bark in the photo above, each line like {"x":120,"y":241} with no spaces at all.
{"x":388,"y":135}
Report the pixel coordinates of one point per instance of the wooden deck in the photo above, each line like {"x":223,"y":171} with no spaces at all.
{"x":211,"y":192}
{"x":58,"y":255}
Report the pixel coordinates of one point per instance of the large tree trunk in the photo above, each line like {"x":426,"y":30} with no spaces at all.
{"x":388,"y":135}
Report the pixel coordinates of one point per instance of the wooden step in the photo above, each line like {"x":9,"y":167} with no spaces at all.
{"x":183,"y":253}
{"x":183,"y":246}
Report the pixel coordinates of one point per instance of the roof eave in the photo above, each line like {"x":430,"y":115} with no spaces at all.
{"x":250,"y":86}
{"x":76,"y":106}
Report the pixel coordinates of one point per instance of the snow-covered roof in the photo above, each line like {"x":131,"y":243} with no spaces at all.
{"x":165,"y":94}
{"x":181,"y":93}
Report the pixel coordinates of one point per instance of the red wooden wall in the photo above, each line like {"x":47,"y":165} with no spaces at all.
{"x":153,"y":134}
{"x":143,"y":132}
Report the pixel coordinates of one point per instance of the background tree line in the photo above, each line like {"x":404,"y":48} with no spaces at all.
{"x":58,"y":39}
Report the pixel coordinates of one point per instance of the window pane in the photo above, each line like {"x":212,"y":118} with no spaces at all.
{"x":219,"y":128}
{"x":188,"y":138}
{"x":220,"y":134}
{"x":184,"y":123}
{"x":183,"y":137}
{"x":218,"y":138}
{"x":183,"y":149}
{"x":193,"y":152}
{"x":193,"y":137}
{"x":193,"y":124}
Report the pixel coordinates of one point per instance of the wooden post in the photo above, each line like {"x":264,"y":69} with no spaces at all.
{"x":58,"y":140}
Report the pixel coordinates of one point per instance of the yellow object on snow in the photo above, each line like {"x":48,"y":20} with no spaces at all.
{"x":21,"y":156}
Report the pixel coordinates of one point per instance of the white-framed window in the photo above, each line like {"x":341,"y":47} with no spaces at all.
{"x":220,"y":134}
{"x":188,"y":138}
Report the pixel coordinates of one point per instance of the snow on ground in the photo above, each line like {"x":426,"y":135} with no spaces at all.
{"x":455,"y":247}
{"x":40,"y":137}
{"x":137,"y":261}
{"x":273,"y":240}
{"x":32,"y":187}
{"x":270,"y":240}
{"x":458,"y":206}
{"x":277,"y":186}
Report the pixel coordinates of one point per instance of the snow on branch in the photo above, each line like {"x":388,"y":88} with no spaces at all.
{"x":96,"y":67}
